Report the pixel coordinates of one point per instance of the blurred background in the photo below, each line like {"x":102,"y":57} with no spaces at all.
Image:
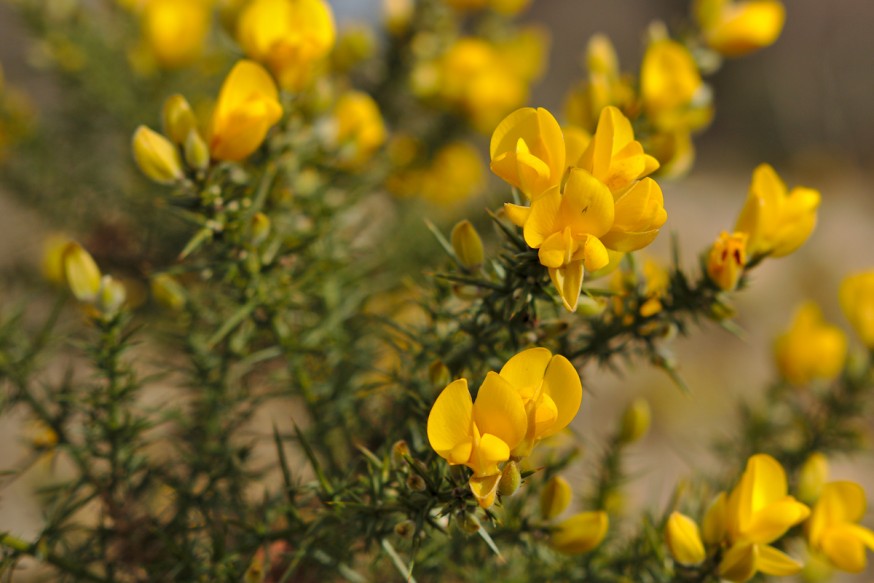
{"x":803,"y":105}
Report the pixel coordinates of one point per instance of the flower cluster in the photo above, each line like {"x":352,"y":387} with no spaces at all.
{"x":588,"y":195}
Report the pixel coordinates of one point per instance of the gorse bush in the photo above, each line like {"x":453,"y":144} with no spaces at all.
{"x":281,"y":360}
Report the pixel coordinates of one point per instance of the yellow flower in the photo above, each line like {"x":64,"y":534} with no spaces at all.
{"x":478,"y":434}
{"x":53,"y":258}
{"x":757,"y":512}
{"x":156,"y":156}
{"x":777,"y":221}
{"x":833,"y":529}
{"x":289,"y":36}
{"x":359,"y":123}
{"x":551,"y":393}
{"x":175,"y":30}
{"x":81,"y":272}
{"x":811,"y":348}
{"x":670,"y":85}
{"x":178,"y":119}
{"x":248,"y":105}
{"x":455,"y":175}
{"x":467,"y":245}
{"x":580,"y":533}
{"x":727,"y":259}
{"x":528,"y":151}
{"x":684,"y":540}
{"x":635,"y":421}
{"x":857,"y":302}
{"x":555,"y":497}
{"x":737,"y":28}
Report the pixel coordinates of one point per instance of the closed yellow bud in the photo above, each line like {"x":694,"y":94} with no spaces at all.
{"x":857,"y":302}
{"x":112,"y":295}
{"x":196,"y":151}
{"x":157,"y":156}
{"x":812,"y":477}
{"x":811,"y":349}
{"x":53,"y":259}
{"x":511,"y":479}
{"x":580,"y":533}
{"x":168,"y":292}
{"x":81,"y":272}
{"x":467,"y":245}
{"x":684,"y":540}
{"x":726,"y":261}
{"x":555,"y":497}
{"x":635,"y":421}
{"x":178,"y":119}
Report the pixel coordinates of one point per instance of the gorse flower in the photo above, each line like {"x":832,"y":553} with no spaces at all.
{"x":600,"y":203}
{"x":727,"y":259}
{"x":777,"y":221}
{"x":833,"y":530}
{"x":857,"y":302}
{"x":535,"y":395}
{"x":248,"y":106}
{"x":289,"y":36}
{"x":580,"y":533}
{"x":156,"y":156}
{"x":670,"y":84}
{"x":175,"y":30}
{"x":358,"y":124}
{"x":684,"y":539}
{"x":811,"y":349}
{"x":736,"y":28}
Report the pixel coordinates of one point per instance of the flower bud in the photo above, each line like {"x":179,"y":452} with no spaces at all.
{"x":727,"y":259}
{"x":81,"y":272}
{"x":580,"y":533}
{"x":511,"y":479}
{"x":156,"y":156}
{"x":260,"y":228}
{"x":168,"y":292}
{"x":53,"y":259}
{"x":469,"y":524}
{"x":684,"y":540}
{"x":812,"y":477}
{"x":405,"y":529}
{"x":196,"y":151}
{"x":635,"y":421}
{"x":178,"y":119}
{"x":112,"y":295}
{"x":416,"y":483}
{"x":467,"y":245}
{"x":555,"y":497}
{"x":399,"y":451}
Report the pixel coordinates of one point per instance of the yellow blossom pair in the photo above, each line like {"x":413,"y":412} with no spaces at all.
{"x":587,"y":195}
{"x":742,"y":524}
{"x":535,"y":395}
{"x":577,"y":534}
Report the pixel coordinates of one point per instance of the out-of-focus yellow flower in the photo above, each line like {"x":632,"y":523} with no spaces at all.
{"x":635,"y":421}
{"x":551,"y":392}
{"x":684,"y":539}
{"x":811,"y":348}
{"x":833,"y":530}
{"x":555,"y":497}
{"x":178,"y":119}
{"x":727,"y":259}
{"x":81,"y":272}
{"x":248,"y":106}
{"x":857,"y":302}
{"x":289,"y":36}
{"x":778,"y":221}
{"x":812,"y":477}
{"x":757,"y":512}
{"x":478,"y":434}
{"x":53,"y":258}
{"x":156,"y":156}
{"x":580,"y":533}
{"x":354,"y":45}
{"x":525,"y":53}
{"x":736,"y":28}
{"x":669,"y":85}
{"x":175,"y":30}
{"x":528,"y":151}
{"x":455,"y":174}
{"x":467,"y":245}
{"x":359,"y":124}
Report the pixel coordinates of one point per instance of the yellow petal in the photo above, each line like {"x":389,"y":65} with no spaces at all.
{"x":715,"y":520}
{"x":684,"y":540}
{"x":487,"y":454}
{"x":739,"y":563}
{"x":587,"y":205}
{"x":499,"y":411}
{"x":568,"y":280}
{"x":576,"y":140}
{"x":640,"y":213}
{"x":485,"y":489}
{"x":580,"y":533}
{"x":518,"y":215}
{"x":558,"y":249}
{"x":450,"y":423}
{"x":81,"y":271}
{"x":771,"y":522}
{"x":744,"y":27}
{"x":774,"y":562}
{"x":555,"y":497}
{"x":545,"y":414}
{"x":543,"y":218}
{"x":543,"y":140}
{"x":562,"y":383}
{"x":525,"y":371}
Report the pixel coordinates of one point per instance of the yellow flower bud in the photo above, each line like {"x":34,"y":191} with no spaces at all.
{"x":635,"y":421}
{"x":812,"y":477}
{"x":178,"y":119}
{"x":112,"y":295}
{"x":399,"y":452}
{"x":81,"y":272}
{"x":53,"y":259}
{"x":168,"y":292}
{"x":857,"y":302}
{"x":196,"y":151}
{"x":157,"y":156}
{"x":684,"y":540}
{"x":175,"y":30}
{"x":811,"y":349}
{"x":467,"y":245}
{"x":248,"y":106}
{"x":260,"y":228}
{"x":727,"y":259}
{"x":511,"y":479}
{"x":580,"y":533}
{"x":601,"y":56}
{"x":555,"y":497}
{"x":737,"y":28}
